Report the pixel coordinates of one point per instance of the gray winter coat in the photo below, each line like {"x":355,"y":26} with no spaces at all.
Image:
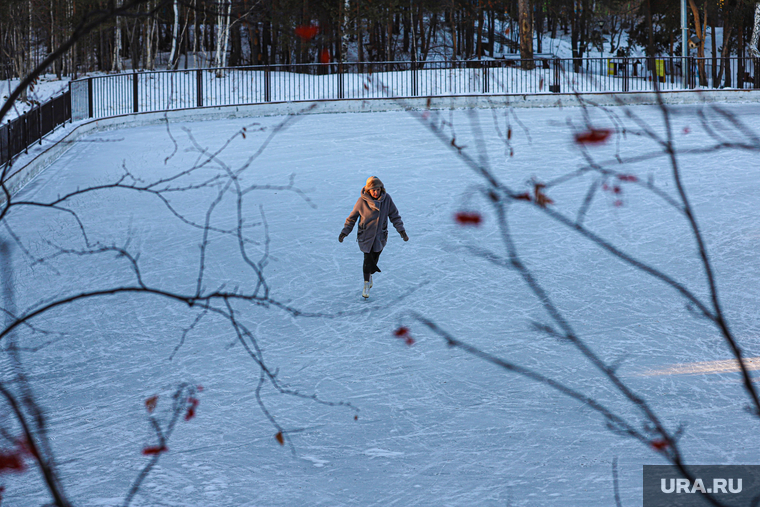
{"x":373,"y":226}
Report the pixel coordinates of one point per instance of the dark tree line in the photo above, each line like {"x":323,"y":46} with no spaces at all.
{"x":204,"y":33}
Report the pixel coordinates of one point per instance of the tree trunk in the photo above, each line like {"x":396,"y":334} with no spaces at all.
{"x":254,"y":44}
{"x":222,"y":38}
{"x":360,"y":33}
{"x":116,"y":65}
{"x":479,"y":42}
{"x":714,"y":57}
{"x":452,"y":21}
{"x":724,"y":64}
{"x":236,"y":46}
{"x":700,"y":34}
{"x":134,"y":45}
{"x":526,"y":34}
{"x":539,"y":26}
{"x":407,"y":28}
{"x":174,"y":53}
{"x":491,"y":32}
{"x":267,"y":37}
{"x":389,"y":32}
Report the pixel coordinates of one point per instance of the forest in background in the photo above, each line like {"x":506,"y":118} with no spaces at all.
{"x":170,"y":34}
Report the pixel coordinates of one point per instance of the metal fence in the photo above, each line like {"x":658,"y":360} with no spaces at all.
{"x":112,"y":95}
{"x":17,"y":135}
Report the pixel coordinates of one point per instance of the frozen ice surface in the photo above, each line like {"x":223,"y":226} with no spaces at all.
{"x":435,"y":426}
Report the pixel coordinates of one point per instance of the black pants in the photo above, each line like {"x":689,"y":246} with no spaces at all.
{"x":370,"y":264}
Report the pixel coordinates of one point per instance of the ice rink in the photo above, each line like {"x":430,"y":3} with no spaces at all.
{"x":435,"y":426}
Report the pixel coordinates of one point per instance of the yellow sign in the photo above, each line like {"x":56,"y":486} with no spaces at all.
{"x":660,"y":64}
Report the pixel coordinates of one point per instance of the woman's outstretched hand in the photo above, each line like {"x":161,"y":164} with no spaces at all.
{"x":340,"y":238}
{"x":404,"y":236}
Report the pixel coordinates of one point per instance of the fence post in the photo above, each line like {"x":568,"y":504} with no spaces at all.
{"x":39,"y":119}
{"x":692,"y":72}
{"x":26,"y":133}
{"x":340,"y":80}
{"x":755,"y":73}
{"x":3,"y":160}
{"x":135,"y":96}
{"x":8,"y":146}
{"x":267,"y":84}
{"x":555,"y":88}
{"x":199,"y":88}
{"x":415,"y":90}
{"x":89,"y":97}
{"x":485,"y":77}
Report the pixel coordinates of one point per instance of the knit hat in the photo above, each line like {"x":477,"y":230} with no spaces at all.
{"x":373,"y":182}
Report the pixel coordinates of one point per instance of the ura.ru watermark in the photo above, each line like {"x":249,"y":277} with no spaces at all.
{"x":701,"y":485}
{"x":717,"y":485}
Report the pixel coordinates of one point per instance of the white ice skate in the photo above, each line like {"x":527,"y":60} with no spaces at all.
{"x":365,"y":292}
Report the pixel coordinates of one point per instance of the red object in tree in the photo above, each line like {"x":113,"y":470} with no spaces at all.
{"x":307,"y":32}
{"x":541,"y":198}
{"x":468,"y":218}
{"x":593,"y":136}
{"x":191,"y":409}
{"x":627,"y":177}
{"x":150,"y":403}
{"x":409,"y":341}
{"x":401,"y":332}
{"x":659,"y":445}
{"x":12,"y":462}
{"x":280,"y":438}
{"x":153,"y":450}
{"x":324,"y":56}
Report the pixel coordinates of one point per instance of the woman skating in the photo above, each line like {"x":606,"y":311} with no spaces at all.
{"x":375,"y":207}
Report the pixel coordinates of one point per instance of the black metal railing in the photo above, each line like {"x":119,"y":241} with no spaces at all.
{"x":18,"y":134}
{"x":112,"y":95}
{"x":166,"y":90}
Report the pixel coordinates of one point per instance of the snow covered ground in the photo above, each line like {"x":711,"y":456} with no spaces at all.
{"x":47,"y":87}
{"x":435,"y":426}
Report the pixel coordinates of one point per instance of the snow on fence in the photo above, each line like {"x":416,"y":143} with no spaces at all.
{"x":112,"y":95}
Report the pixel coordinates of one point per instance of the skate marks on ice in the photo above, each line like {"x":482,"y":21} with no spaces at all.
{"x":435,"y":426}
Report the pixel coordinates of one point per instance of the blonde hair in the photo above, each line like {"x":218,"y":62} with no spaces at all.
{"x":373,"y":182}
